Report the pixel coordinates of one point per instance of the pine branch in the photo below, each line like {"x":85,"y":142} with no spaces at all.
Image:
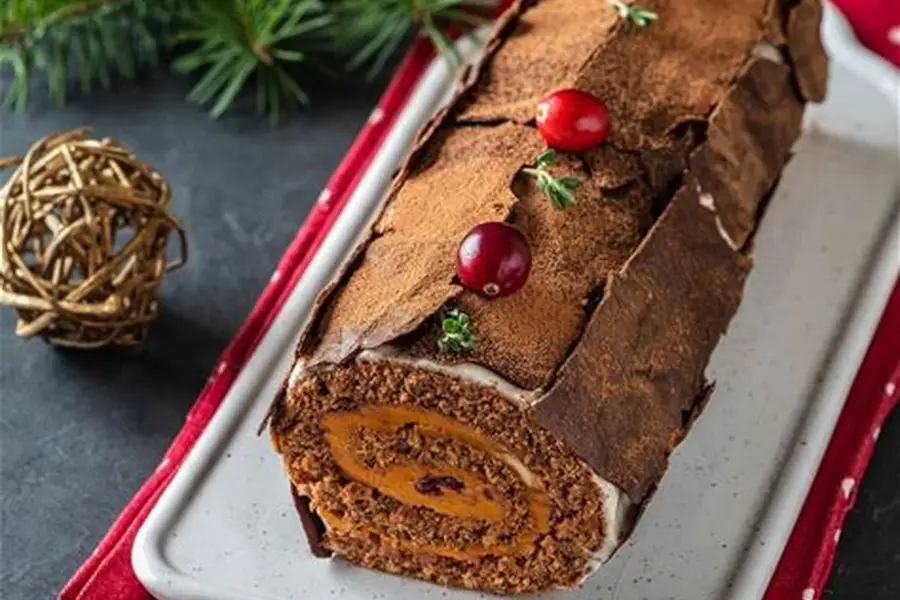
{"x":229,"y":44}
{"x":234,"y":40}
{"x":373,"y":30}
{"x":21,"y":16}
{"x":101,"y":39}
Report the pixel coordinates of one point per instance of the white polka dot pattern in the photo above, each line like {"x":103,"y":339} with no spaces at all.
{"x":324,"y":198}
{"x":894,"y":35}
{"x":847,"y":486}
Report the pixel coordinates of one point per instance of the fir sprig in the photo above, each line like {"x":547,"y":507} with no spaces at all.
{"x":637,"y":15}
{"x":239,"y":39}
{"x":456,"y":331}
{"x":99,"y":39}
{"x":231,"y":44}
{"x":374,"y":29}
{"x":560,"y":190}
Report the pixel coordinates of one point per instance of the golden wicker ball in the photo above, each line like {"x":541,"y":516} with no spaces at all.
{"x":83,"y":231}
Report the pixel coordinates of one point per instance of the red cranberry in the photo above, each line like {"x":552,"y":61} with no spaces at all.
{"x":493,"y":259}
{"x":572,"y":121}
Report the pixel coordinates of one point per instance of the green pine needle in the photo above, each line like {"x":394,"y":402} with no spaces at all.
{"x":17,"y":95}
{"x":560,"y":190}
{"x":637,"y":15}
{"x":373,"y":30}
{"x":457,"y":335}
{"x":101,"y":39}
{"x":237,"y":39}
{"x":228,"y":44}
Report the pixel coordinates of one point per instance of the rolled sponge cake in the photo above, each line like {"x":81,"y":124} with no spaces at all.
{"x":522,"y":465}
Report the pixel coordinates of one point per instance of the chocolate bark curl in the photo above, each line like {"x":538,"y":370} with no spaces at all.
{"x":748,"y":143}
{"x":619,"y":398}
{"x":464,"y":171}
{"x":312,"y":525}
{"x":806,"y":50}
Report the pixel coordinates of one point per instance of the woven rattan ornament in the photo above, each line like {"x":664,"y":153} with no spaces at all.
{"x":83,"y":231}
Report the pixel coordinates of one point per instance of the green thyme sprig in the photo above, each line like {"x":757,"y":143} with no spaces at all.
{"x":560,"y":190}
{"x":637,"y":15}
{"x":457,"y":335}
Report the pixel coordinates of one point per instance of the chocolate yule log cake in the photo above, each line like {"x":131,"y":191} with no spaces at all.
{"x":487,"y":394}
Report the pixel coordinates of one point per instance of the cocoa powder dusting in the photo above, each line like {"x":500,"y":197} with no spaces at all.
{"x":468,"y":172}
{"x":407,"y":271}
{"x":546,"y":50}
{"x":675,"y":71}
{"x":525,"y":336}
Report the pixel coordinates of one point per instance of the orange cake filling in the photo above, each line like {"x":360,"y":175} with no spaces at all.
{"x":443,"y":488}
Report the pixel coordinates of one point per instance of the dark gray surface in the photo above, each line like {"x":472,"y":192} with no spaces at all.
{"x":79,"y":431}
{"x":867,"y":566}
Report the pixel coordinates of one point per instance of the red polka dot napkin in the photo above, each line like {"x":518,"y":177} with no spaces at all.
{"x":107,"y":574}
{"x":877,"y":25}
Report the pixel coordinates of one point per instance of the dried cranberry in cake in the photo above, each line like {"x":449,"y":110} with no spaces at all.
{"x":572,"y":120}
{"x":493,"y":259}
{"x":434,"y":485}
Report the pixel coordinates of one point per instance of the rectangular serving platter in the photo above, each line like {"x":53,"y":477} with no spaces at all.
{"x":828,"y":254}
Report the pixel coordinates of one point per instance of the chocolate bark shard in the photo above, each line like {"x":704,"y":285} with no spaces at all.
{"x":312,"y":525}
{"x":406,"y":273}
{"x":807,"y":53}
{"x":526,"y":335}
{"x":774,"y":21}
{"x":749,"y":140}
{"x":309,"y":337}
{"x":273,"y":413}
{"x":619,"y":398}
{"x":673,"y":72}
{"x":546,"y":49}
{"x":388,"y":302}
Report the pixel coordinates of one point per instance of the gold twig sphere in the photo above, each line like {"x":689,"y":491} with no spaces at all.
{"x":83,"y":232}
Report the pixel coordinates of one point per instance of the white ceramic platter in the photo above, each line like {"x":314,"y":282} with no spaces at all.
{"x":828,"y":255}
